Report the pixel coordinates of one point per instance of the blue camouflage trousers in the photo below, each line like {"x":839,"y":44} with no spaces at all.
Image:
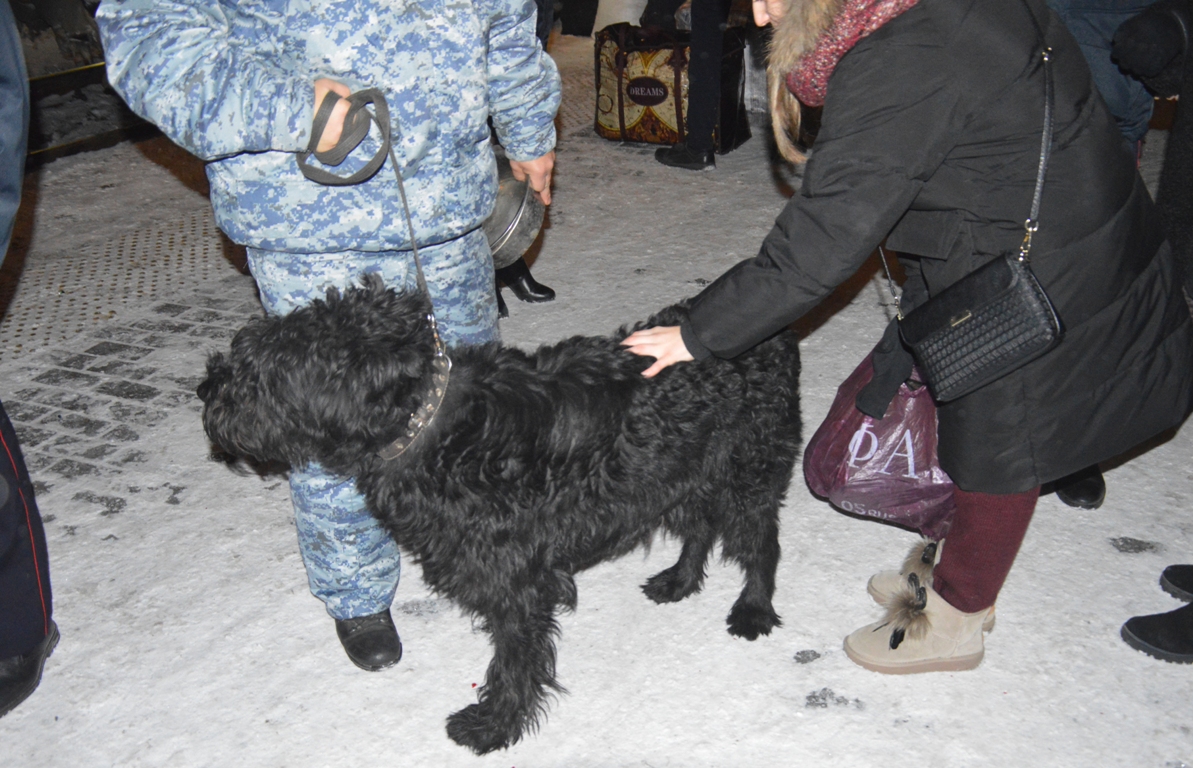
{"x":352,"y":563}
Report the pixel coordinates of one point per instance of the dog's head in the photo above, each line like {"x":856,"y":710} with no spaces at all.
{"x":331,"y":382}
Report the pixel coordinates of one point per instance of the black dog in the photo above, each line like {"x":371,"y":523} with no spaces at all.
{"x":534,"y":466}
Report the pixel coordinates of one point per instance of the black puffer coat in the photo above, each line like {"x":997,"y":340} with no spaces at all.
{"x":931,"y":135}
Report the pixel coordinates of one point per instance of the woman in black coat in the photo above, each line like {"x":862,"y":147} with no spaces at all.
{"x":933,"y":113}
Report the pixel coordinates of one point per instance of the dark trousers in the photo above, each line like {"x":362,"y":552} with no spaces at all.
{"x":704,"y":71}
{"x":983,"y":540}
{"x":24,"y":572}
{"x":25,"y":599}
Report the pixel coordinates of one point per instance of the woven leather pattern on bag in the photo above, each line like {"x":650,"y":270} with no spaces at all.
{"x":1013,"y":329}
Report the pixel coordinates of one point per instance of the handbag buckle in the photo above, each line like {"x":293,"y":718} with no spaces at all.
{"x":1029,"y":228}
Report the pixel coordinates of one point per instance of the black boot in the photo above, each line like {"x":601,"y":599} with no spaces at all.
{"x":681,"y":156}
{"x":20,"y":675}
{"x":1167,"y":636}
{"x":518,"y":279}
{"x":1177,"y":580}
{"x":1085,"y":489}
{"x":372,"y":641}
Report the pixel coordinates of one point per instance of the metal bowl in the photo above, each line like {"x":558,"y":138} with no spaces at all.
{"x":516,"y":219}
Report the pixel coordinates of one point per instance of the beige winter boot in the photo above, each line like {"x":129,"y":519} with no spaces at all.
{"x":921,"y":561}
{"x":920,"y":633}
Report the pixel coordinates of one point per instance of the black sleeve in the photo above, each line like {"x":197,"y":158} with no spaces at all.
{"x":887,"y":126}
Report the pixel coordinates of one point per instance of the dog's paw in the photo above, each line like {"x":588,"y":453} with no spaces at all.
{"x":750,"y":621}
{"x":471,"y":728}
{"x":669,"y":586}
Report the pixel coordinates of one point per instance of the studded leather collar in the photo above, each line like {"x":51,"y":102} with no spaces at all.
{"x":441,"y":367}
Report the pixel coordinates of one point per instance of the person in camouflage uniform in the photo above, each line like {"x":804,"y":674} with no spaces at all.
{"x":236,"y":83}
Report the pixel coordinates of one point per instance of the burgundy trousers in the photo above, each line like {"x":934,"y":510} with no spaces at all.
{"x":981,"y":546}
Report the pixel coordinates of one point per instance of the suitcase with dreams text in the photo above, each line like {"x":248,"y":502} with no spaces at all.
{"x":642,"y":87}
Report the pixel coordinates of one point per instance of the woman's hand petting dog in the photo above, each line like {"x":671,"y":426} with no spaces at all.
{"x":664,"y":344}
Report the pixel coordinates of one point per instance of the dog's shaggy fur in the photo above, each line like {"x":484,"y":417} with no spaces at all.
{"x":537,"y":465}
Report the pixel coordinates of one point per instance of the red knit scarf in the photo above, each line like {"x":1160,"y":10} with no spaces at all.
{"x":857,"y":19}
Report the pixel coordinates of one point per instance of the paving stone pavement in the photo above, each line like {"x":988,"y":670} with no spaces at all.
{"x":83,"y":409}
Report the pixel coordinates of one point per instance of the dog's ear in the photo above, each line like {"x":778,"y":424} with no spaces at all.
{"x":218,"y":372}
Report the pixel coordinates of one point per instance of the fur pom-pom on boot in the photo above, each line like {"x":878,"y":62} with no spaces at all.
{"x":921,"y":561}
{"x":920,"y":633}
{"x":922,"y":558}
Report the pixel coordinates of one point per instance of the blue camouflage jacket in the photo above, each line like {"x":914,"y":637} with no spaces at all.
{"x":232,"y":81}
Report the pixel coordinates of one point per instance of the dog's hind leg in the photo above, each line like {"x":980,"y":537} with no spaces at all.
{"x":514,"y":696}
{"x":686,"y":577}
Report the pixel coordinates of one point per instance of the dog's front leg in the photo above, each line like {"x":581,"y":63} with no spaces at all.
{"x":514,"y":695}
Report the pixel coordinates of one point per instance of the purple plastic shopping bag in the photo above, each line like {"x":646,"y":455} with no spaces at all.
{"x":882,"y":468}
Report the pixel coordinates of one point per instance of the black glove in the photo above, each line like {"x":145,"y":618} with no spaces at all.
{"x":1145,"y":44}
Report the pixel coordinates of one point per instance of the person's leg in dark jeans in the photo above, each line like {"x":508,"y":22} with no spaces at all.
{"x":704,"y":88}
{"x":1093,"y":23}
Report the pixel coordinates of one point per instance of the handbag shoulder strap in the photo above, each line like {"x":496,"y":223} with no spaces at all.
{"x":1033,"y":221}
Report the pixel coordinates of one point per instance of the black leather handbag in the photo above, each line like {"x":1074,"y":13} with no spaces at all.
{"x":994,"y":320}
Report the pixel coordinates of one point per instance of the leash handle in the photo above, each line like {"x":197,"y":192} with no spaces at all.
{"x":356,"y":128}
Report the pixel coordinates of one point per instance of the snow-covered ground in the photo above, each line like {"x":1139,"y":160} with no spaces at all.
{"x":189,"y":637}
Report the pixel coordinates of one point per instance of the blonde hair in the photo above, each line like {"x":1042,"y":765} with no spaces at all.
{"x":795,"y":34}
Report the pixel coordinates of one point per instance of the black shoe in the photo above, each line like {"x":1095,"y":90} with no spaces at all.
{"x":1167,"y":636}
{"x":1177,"y":580}
{"x":1085,"y":489}
{"x":371,"y":641}
{"x":20,"y":675}
{"x":680,"y":156}
{"x":517,"y":278}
